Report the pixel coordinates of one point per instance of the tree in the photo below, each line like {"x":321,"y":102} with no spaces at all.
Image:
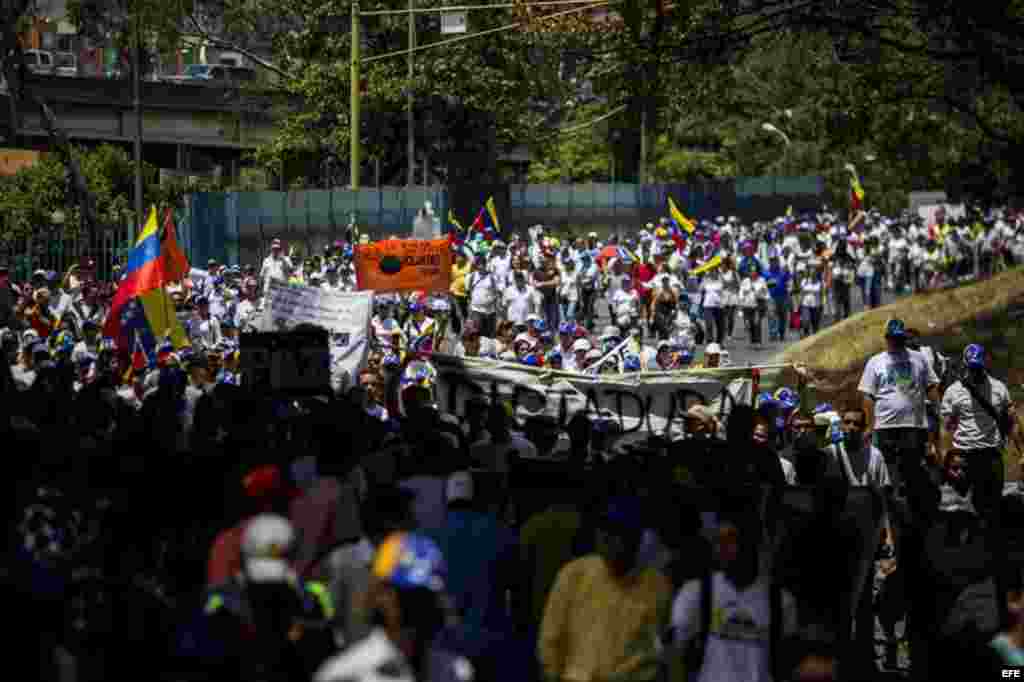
{"x":29,"y":199}
{"x":497,"y":80}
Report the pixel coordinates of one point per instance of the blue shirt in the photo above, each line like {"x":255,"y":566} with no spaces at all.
{"x":777,"y":280}
{"x":748,"y":263}
{"x":478,"y":550}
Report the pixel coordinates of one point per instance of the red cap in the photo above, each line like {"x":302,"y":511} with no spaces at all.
{"x":266,"y":482}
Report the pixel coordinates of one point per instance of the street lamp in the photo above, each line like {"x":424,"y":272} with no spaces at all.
{"x":773,"y":129}
{"x":768,"y":127}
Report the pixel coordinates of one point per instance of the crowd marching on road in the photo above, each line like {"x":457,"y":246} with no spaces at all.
{"x":166,"y":523}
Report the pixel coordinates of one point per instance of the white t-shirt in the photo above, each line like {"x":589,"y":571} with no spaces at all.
{"x":863,"y":468}
{"x":898,"y":383}
{"x":788,"y":471}
{"x":810,"y":294}
{"x":739,"y":641}
{"x":713,"y":293}
{"x":975,"y":429}
{"x":570,"y":287}
{"x":521,"y":302}
{"x":730,"y":288}
{"x":482,"y":289}
{"x":624,"y":302}
{"x":275,"y":268}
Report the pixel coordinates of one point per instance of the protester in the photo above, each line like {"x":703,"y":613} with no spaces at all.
{"x":585,"y":633}
{"x":979,"y":412}
{"x":146,"y":422}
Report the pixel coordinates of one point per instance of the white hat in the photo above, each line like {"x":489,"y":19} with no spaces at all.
{"x":267,"y":542}
{"x":524,"y":338}
{"x":594,"y":354}
{"x":713,"y":349}
{"x":581,"y":344}
{"x":459,"y":487}
{"x":592,"y":235}
{"x":609,"y":332}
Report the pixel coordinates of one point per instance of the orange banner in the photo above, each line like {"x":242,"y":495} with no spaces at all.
{"x":13,"y":160}
{"x":404,"y":265}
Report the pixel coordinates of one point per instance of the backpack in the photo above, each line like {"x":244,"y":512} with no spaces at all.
{"x":697,"y":646}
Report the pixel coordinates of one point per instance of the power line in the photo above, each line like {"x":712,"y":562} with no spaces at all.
{"x":581,"y":126}
{"x":507,"y":27}
{"x":464,"y":8}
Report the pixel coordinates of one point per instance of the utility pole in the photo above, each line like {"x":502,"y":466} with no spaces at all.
{"x":354,"y":103}
{"x":137,"y":102}
{"x":643,"y":144}
{"x":411,"y":141}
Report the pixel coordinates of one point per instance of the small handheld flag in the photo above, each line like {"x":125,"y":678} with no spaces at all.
{"x":856,"y":191}
{"x":486,"y":221}
{"x":680,"y":219}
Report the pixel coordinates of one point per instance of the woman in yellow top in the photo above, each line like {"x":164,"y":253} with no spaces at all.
{"x":460,"y":309}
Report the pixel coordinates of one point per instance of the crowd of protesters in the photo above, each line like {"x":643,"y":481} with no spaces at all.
{"x":167,"y":523}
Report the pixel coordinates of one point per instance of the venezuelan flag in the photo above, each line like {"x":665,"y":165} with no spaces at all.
{"x":680,"y":219}
{"x":856,"y":191}
{"x":486,"y":221}
{"x":155,"y":261}
{"x":456,"y":232}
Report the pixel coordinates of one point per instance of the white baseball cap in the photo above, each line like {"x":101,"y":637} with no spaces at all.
{"x":267,"y":542}
{"x":581,"y":345}
{"x":713,"y":349}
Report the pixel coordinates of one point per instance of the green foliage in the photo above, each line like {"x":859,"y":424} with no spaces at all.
{"x":30,"y":198}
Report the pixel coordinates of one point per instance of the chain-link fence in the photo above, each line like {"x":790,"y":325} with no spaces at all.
{"x":56,"y":248}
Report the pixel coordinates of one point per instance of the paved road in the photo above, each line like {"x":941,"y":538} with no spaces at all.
{"x":741,"y":351}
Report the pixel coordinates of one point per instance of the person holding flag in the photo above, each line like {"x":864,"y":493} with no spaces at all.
{"x":155,"y":262}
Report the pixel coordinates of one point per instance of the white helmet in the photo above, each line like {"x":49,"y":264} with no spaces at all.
{"x":267,"y":542}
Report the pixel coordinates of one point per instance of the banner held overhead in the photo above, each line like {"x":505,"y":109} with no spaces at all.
{"x":404,"y":265}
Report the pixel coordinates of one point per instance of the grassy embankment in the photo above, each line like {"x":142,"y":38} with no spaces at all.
{"x":990,"y":313}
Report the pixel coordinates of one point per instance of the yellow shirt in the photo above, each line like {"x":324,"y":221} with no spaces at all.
{"x":599,"y":629}
{"x":546,"y":543}
{"x":458,"y":285}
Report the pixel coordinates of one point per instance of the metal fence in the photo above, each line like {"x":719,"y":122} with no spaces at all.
{"x":235,"y":227}
{"x":56,"y":248}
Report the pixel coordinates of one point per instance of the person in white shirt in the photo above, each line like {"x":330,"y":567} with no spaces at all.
{"x":896,"y":385}
{"x":483,"y":291}
{"x":730,"y":293}
{"x":520,"y":299}
{"x":753,"y":301}
{"x":615,"y":280}
{"x":501,"y":264}
{"x":625,"y":302}
{"x":590,"y":284}
{"x":861,"y":463}
{"x":711,"y":291}
{"x":969,"y":409}
{"x":740,"y":635}
{"x":569,"y":290}
{"x":203,"y":328}
{"x":276,"y":266}
{"x":811,"y":288}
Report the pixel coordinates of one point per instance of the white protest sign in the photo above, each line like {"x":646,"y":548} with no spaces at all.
{"x":346,"y":315}
{"x":652,"y":402}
